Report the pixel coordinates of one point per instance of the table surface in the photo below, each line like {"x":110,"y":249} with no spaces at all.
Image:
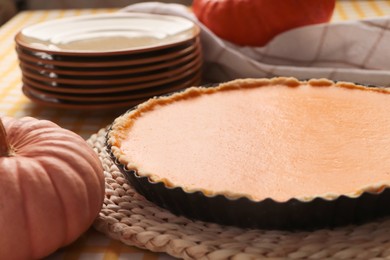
{"x":92,"y":244}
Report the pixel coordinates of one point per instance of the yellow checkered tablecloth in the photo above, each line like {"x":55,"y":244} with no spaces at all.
{"x":93,"y":245}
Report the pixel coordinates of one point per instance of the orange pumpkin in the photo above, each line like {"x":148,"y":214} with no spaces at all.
{"x":51,"y":187}
{"x":256,"y":22}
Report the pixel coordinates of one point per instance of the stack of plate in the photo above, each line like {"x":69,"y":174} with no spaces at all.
{"x":110,"y":60}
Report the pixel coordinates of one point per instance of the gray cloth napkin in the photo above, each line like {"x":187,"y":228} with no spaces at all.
{"x":356,"y":51}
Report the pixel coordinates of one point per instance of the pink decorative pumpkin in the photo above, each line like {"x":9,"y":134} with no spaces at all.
{"x":51,"y":187}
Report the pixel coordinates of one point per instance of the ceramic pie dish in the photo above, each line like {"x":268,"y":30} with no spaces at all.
{"x":266,"y":153}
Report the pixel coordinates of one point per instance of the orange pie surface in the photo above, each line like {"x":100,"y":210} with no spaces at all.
{"x":278,"y":138}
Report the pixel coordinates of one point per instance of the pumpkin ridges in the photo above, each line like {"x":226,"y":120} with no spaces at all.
{"x":81,"y":152}
{"x":63,"y":206}
{"x":76,"y":207}
{"x":28,"y":128}
{"x":12,"y":229}
{"x":19,"y":131}
{"x":54,"y":134}
{"x":67,"y":148}
{"x":25,"y":214}
{"x":45,"y":147}
{"x":51,"y":134}
{"x":82,"y":173}
{"x":40,"y":230}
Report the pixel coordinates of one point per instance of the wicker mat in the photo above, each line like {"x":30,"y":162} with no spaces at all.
{"x":130,"y":218}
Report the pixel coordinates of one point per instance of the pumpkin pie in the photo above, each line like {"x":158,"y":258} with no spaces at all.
{"x":269,"y":153}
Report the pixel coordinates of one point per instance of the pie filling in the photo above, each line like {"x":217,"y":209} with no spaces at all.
{"x":262,"y":138}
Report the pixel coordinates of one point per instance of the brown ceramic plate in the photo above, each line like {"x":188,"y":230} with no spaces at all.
{"x":117,"y":96}
{"x":98,"y":80}
{"x":46,"y":101}
{"x":107,"y":88}
{"x":42,"y":58}
{"x":107,"y":34}
{"x":56,"y":103}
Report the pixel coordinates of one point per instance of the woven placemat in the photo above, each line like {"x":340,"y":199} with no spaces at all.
{"x":130,"y":218}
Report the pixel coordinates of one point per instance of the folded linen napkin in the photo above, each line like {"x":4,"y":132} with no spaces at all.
{"x":356,"y":51}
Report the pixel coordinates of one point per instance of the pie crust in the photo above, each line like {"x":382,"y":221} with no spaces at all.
{"x":250,"y":151}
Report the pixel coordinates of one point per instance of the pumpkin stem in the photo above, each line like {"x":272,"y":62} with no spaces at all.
{"x":5,"y":148}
